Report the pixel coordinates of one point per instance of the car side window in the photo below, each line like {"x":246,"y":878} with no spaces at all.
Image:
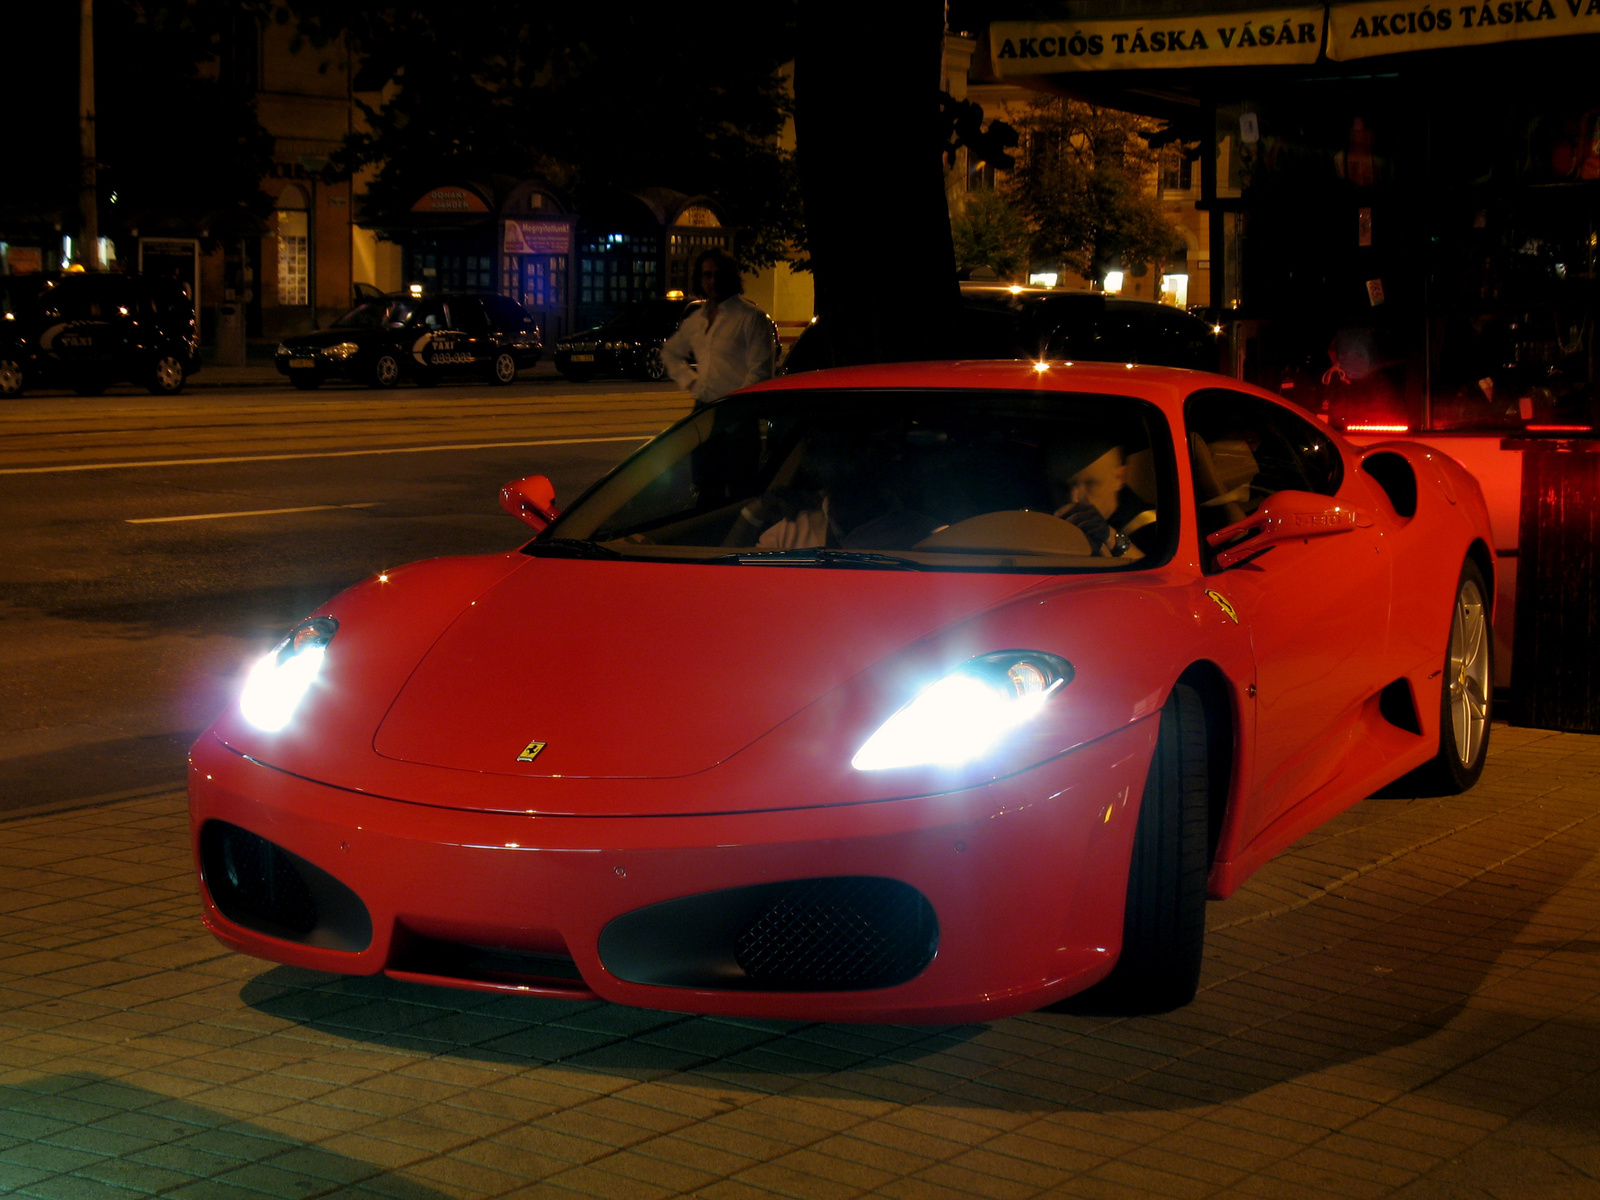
{"x":1117,"y":337}
{"x":1180,"y":341}
{"x":466,"y":314}
{"x":1244,"y":449}
{"x":505,"y":314}
{"x":430,"y":315}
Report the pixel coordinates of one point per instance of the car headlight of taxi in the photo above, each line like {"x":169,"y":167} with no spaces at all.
{"x":342,"y":351}
{"x":283,"y":676}
{"x":283,"y":350}
{"x":967,"y":713}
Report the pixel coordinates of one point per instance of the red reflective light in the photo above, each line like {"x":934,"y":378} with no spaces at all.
{"x":1559,"y":428}
{"x":1379,"y":428}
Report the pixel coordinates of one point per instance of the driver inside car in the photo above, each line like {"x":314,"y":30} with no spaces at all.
{"x":1089,"y":486}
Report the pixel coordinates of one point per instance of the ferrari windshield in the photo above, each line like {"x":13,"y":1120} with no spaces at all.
{"x":901,"y":479}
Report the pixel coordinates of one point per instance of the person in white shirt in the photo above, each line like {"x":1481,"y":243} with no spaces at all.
{"x":724,"y":344}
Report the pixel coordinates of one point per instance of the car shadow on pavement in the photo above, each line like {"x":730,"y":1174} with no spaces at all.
{"x":74,"y":1134}
{"x":1373,"y":992}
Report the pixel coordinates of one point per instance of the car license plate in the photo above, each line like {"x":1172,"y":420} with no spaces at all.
{"x":583,"y":358}
{"x":302,"y":362}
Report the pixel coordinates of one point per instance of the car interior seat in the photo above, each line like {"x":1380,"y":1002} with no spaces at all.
{"x":1223,"y":471}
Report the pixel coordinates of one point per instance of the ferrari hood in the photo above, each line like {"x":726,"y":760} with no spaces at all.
{"x":651,"y":670}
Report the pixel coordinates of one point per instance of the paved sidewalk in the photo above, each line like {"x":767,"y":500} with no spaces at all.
{"x":1405,"y":1004}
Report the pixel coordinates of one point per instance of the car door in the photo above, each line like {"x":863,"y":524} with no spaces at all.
{"x":433,"y":343}
{"x":1316,"y":608}
{"x":511,"y":327}
{"x":472,"y":344}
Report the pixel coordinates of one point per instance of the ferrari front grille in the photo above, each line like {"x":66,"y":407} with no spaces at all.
{"x":839,"y":933}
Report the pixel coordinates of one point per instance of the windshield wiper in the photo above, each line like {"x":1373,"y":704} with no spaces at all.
{"x":570,"y":548}
{"x":823,"y":555}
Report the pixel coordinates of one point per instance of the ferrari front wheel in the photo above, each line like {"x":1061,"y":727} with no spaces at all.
{"x":1467,"y":694}
{"x":1164,"y":916}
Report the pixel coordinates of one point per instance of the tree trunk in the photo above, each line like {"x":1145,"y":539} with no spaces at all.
{"x":868,"y":140}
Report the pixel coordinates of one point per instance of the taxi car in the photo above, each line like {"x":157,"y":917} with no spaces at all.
{"x":383,"y":340}
{"x":815,"y":708}
{"x":89,"y":331}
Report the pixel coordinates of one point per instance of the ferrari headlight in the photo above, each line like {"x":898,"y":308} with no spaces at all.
{"x":961,"y":717}
{"x":342,"y":351}
{"x":280,"y":680}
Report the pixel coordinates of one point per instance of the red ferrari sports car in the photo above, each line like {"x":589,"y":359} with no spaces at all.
{"x":931,"y":692}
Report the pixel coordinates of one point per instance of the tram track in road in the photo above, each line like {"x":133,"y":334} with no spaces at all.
{"x":40,"y":434}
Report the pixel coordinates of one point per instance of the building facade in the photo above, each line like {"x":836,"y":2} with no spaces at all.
{"x":1401,"y":207}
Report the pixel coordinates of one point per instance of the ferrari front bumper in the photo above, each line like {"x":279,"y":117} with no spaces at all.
{"x":1025,"y":876}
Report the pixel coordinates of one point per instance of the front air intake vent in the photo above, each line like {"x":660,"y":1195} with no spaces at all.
{"x":845,"y":932}
{"x":840,"y":933}
{"x":261,"y":886}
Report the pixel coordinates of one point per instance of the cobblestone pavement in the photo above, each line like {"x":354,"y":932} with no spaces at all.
{"x":1407,"y":1003}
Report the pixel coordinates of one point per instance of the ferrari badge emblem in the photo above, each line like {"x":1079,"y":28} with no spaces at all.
{"x":530,"y":752}
{"x":1222,"y":602}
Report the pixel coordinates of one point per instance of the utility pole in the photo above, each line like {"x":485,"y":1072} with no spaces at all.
{"x":88,"y":185}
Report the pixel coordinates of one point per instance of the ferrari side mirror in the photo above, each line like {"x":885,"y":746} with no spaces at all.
{"x":531,"y":500}
{"x":1284,"y":517}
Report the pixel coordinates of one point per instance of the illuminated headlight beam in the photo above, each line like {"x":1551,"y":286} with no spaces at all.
{"x":281,"y":678}
{"x":963,"y":716}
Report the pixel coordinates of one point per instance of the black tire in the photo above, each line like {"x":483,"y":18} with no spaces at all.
{"x":90,"y":385}
{"x":1468,"y":684}
{"x":13,"y":379}
{"x":503,"y":368}
{"x":1164,"y":918}
{"x":305,"y":381}
{"x":654,"y":369}
{"x":383,"y":371}
{"x":167,"y":376}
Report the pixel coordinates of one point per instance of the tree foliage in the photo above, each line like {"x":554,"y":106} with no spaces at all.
{"x":176,"y":128}
{"x":1083,"y":183}
{"x":592,"y":98}
{"x":990,"y":232}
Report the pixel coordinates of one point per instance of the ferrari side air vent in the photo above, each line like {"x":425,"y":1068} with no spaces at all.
{"x":262,"y":886}
{"x":1395,"y":476}
{"x":841,"y":933}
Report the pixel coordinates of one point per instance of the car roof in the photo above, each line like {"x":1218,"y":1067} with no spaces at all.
{"x":1166,"y":387}
{"x":1004,"y":294}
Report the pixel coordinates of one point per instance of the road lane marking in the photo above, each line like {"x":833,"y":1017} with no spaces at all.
{"x":255,"y":512}
{"x":245,"y":458}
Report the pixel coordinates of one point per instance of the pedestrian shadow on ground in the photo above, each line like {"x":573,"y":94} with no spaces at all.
{"x":70,"y":1135}
{"x":1312,"y":990}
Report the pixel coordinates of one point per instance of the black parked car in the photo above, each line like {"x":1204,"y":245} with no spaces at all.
{"x":628,"y":344}
{"x":429,"y":338}
{"x":87,"y":332}
{"x":1003,"y":322}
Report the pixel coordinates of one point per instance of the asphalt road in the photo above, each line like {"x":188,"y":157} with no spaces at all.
{"x":153,"y":547}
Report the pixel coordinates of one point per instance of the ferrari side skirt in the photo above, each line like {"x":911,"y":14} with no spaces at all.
{"x":1381,"y":750}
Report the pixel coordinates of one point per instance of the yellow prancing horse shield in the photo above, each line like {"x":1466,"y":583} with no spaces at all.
{"x":530,"y":752}
{"x":1223,"y":603}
